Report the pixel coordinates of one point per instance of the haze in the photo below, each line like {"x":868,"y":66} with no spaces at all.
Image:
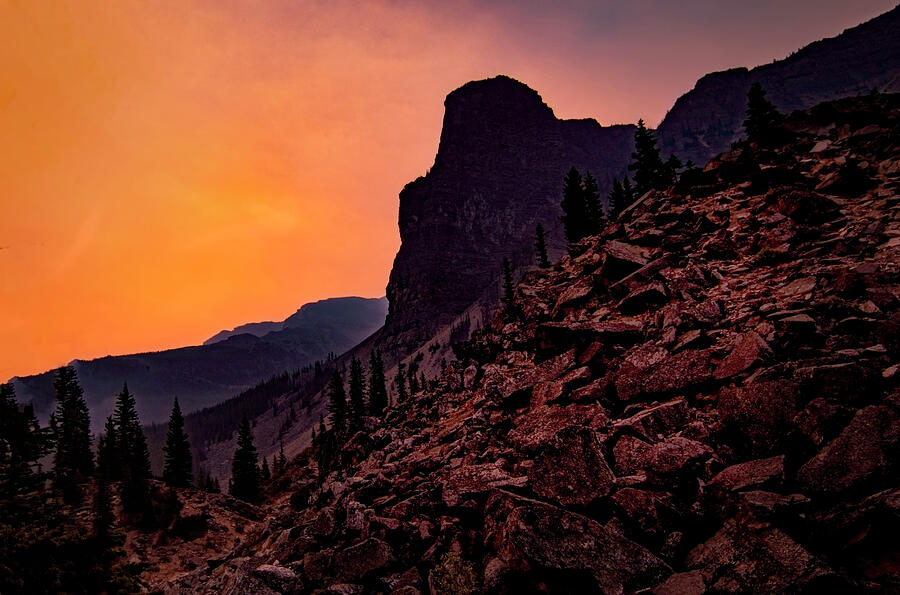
{"x":169,"y":169}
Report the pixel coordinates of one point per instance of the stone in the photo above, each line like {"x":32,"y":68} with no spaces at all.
{"x":564,"y":549}
{"x":657,"y":421}
{"x":674,"y":456}
{"x":621,"y":259}
{"x":552,"y":335}
{"x":572,"y":470}
{"x":682,"y":583}
{"x":643,"y":299}
{"x":471,"y":480}
{"x":759,"y":415}
{"x":863,"y":454}
{"x":681,"y":371}
{"x":753,"y":474}
{"x":539,"y":425}
{"x":278,"y":578}
{"x":747,"y":351}
{"x":326,"y":522}
{"x":355,"y":562}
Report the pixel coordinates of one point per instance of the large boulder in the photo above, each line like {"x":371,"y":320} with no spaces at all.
{"x":572,"y":470}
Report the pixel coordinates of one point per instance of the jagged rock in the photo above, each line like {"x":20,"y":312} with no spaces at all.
{"x":621,"y":259}
{"x":747,"y":556}
{"x":759,"y":415}
{"x":540,"y":425}
{"x":641,"y":300}
{"x":865,"y":452}
{"x":355,"y":562}
{"x":675,"y":373}
{"x":746,"y":352}
{"x":552,"y":335}
{"x":562,"y":548}
{"x":279,"y":578}
{"x":468,"y":480}
{"x":657,"y":421}
{"x":676,"y":455}
{"x":682,"y":583}
{"x":572,"y":470}
{"x":750,"y":474}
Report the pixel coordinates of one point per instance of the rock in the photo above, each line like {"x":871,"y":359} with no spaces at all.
{"x":747,"y":556}
{"x":621,"y":259}
{"x":355,"y":562}
{"x":865,"y":453}
{"x":675,"y":456}
{"x":753,"y":474}
{"x":539,"y":425}
{"x":643,"y":299}
{"x":279,"y":578}
{"x":564,"y":549}
{"x":682,"y":583}
{"x":678,"y":372}
{"x":649,"y":513}
{"x":759,"y":415}
{"x":325,"y":523}
{"x":572,"y":471}
{"x":470,"y":480}
{"x":572,"y":296}
{"x":747,"y":351}
{"x":552,"y":335}
{"x":657,"y":421}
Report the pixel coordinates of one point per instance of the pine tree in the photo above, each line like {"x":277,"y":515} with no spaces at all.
{"x":282,"y":460}
{"x":265,"y":473}
{"x":321,"y":425}
{"x":649,"y":170}
{"x":244,"y":465}
{"x":104,"y":516}
{"x":133,"y":450}
{"x":378,"y":398}
{"x":337,"y":404}
{"x":763,"y":123}
{"x":73,"y":461}
{"x":22,"y":444}
{"x":616,"y":199}
{"x":540,"y":247}
{"x":413,"y":380}
{"x":357,"y":396}
{"x":673,"y":164}
{"x":593,"y":205}
{"x":509,"y":291}
{"x":575,"y":212}
{"x":400,"y":381}
{"x":108,"y":461}
{"x":627,"y":193}
{"x":178,"y":466}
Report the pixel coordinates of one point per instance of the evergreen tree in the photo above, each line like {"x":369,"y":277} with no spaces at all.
{"x":178,"y":466}
{"x":673,"y":164}
{"x":244,"y":465}
{"x":73,"y":461}
{"x":282,"y":460}
{"x":763,"y":123}
{"x":400,"y":381}
{"x":540,"y":247}
{"x":103,"y":511}
{"x":337,"y":404}
{"x":265,"y":473}
{"x":321,"y":425}
{"x":593,"y":205}
{"x":649,"y":170}
{"x":133,"y":449}
{"x":509,"y":292}
{"x":22,"y":444}
{"x":108,"y":461}
{"x":357,"y":396}
{"x":616,"y":199}
{"x":575,"y":211}
{"x":378,"y":398}
{"x":413,"y":380}
{"x":627,"y":193}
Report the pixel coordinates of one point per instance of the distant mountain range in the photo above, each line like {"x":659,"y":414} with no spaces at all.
{"x":225,"y":365}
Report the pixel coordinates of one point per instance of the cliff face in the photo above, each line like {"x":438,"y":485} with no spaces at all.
{"x":704,"y":398}
{"x":497,"y":173}
{"x":706,"y":120}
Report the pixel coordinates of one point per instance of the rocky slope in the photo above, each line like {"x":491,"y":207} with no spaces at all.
{"x":204,"y":375}
{"x":706,"y":120}
{"x":702,"y":399}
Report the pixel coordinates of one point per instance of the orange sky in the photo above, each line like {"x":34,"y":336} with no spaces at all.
{"x":169,"y":169}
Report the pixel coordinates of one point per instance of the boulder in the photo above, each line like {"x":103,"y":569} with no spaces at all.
{"x":470,"y":480}
{"x":757,"y":417}
{"x":572,"y":470}
{"x":643,"y":299}
{"x":675,"y":456}
{"x":747,"y":350}
{"x":539,"y":425}
{"x":752,"y":474}
{"x":355,"y":562}
{"x":657,"y":421}
{"x":279,"y":578}
{"x":684,"y":370}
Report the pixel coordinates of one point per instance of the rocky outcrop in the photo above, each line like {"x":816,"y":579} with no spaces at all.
{"x":707,"y":119}
{"x":708,"y":444}
{"x":497,"y":173}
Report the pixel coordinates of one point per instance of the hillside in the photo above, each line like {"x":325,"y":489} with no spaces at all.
{"x":703,"y":398}
{"x":706,"y":120}
{"x":204,"y":375}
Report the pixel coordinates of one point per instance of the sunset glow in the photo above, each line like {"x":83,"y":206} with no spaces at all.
{"x":170,"y":169}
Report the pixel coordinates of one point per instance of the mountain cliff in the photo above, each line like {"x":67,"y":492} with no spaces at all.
{"x":498,"y":172}
{"x":204,"y":375}
{"x":703,"y":398}
{"x":709,"y":118}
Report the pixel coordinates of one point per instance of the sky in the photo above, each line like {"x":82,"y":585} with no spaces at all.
{"x":172,"y":168}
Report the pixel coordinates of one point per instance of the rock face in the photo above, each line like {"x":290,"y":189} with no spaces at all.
{"x":708,"y":444}
{"x":497,"y":173}
{"x":706,"y":120}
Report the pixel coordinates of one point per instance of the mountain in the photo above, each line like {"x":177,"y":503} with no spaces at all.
{"x":204,"y":375}
{"x":703,"y":398}
{"x":339,"y":315}
{"x":498,"y":172}
{"x":709,"y":118}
